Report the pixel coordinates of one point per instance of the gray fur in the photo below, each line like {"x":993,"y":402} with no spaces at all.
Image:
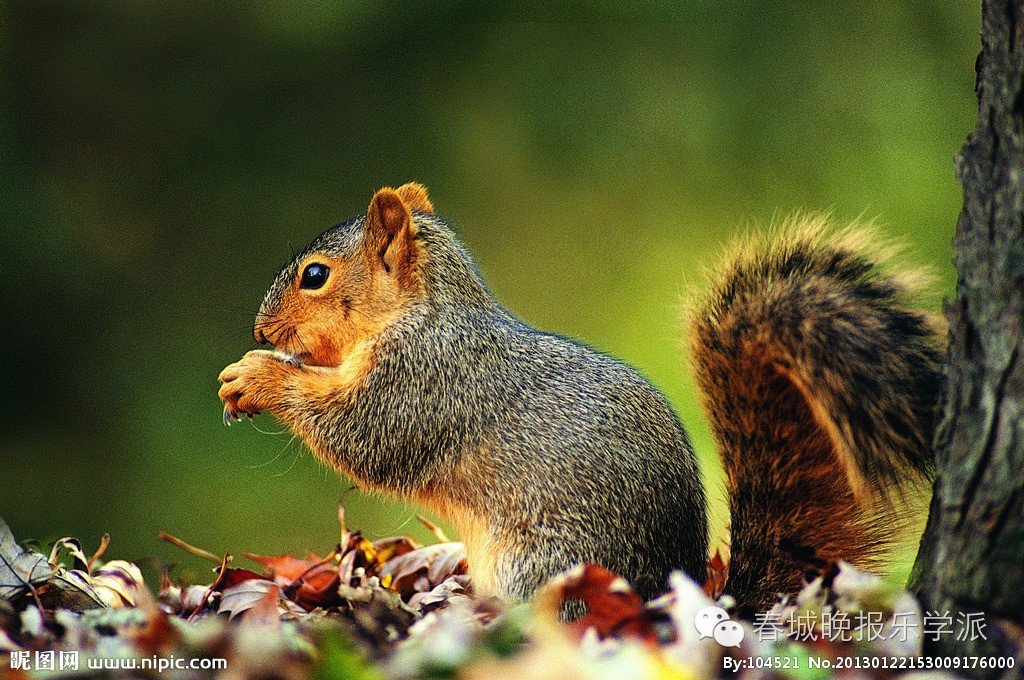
{"x":580,"y":459}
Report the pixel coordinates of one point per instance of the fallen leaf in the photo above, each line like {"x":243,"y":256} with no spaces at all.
{"x":318,"y":587}
{"x":74,"y":549}
{"x":613,"y":607}
{"x":396,"y":546}
{"x":118,"y":583}
{"x":232,"y":576}
{"x":717,"y":576}
{"x":284,"y":569}
{"x":423,"y":569}
{"x":452,"y":588}
{"x":243,"y":596}
{"x":19,"y":568}
{"x":70,"y":589}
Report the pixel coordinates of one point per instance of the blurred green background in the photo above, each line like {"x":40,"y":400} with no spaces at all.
{"x":159,"y":159}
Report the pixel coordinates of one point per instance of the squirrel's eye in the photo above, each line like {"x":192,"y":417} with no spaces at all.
{"x":314,"y":276}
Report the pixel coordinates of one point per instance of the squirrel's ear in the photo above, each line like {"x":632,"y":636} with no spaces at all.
{"x":415,"y":196}
{"x":390,"y":232}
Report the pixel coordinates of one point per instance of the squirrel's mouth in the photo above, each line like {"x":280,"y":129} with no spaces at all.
{"x":286,"y":341}
{"x":301,"y":349}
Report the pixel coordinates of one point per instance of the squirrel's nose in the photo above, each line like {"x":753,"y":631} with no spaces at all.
{"x":257,"y":334}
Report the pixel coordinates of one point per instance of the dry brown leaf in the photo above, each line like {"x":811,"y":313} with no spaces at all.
{"x":395,"y":546}
{"x":243,"y":596}
{"x":452,"y":588}
{"x":70,"y":589}
{"x":118,"y":583}
{"x":423,"y":569}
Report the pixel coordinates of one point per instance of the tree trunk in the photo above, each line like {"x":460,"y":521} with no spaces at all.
{"x":972,"y":551}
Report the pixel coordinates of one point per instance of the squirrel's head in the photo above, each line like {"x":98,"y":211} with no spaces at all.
{"x":349,"y":283}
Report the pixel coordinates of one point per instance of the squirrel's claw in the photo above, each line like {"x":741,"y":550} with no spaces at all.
{"x":246,"y":384}
{"x":230,"y":415}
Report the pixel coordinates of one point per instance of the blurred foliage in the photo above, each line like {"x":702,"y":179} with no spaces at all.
{"x":159,"y":159}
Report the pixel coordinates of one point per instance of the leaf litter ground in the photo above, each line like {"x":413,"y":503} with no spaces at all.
{"x":393,"y":608}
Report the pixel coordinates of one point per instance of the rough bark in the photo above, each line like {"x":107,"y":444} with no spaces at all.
{"x":972,"y":551}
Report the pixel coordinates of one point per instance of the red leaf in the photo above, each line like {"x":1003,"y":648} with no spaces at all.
{"x":284,"y":569}
{"x":717,"y":576}
{"x":233,"y":576}
{"x":317,"y":586}
{"x":613,"y":607}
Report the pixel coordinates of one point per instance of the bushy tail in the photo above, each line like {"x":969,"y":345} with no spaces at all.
{"x":820,"y":382}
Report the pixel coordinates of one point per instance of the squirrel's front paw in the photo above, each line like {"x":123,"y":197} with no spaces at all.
{"x":254,"y":383}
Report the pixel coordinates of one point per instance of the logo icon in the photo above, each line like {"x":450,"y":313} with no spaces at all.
{"x":714,"y":622}
{"x":729,"y":633}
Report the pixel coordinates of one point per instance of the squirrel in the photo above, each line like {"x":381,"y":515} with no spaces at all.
{"x":396,"y":366}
